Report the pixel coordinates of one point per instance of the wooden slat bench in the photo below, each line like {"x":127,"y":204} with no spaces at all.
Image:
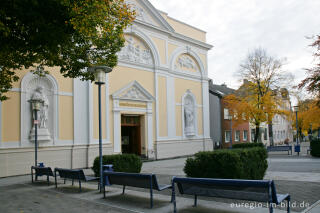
{"x":252,"y":190}
{"x":147,"y":181}
{"x":73,"y":174}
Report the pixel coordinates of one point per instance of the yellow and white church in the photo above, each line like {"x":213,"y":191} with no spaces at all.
{"x":155,"y":102}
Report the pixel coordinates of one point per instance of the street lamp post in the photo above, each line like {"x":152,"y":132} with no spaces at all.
{"x":100,"y":79}
{"x":297,"y":147}
{"x":36,"y":105}
{"x":230,"y":118}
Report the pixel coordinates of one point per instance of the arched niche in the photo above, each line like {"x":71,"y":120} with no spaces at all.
{"x":189,"y":115}
{"x":29,"y":86}
{"x":185,"y":60}
{"x":135,"y":38}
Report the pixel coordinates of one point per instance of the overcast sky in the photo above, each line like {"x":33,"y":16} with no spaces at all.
{"x":235,"y":27}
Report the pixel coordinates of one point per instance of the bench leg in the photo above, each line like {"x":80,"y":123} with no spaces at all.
{"x":195,"y":201}
{"x":72,"y":182}
{"x":173,"y":198}
{"x":104,"y":191}
{"x":270,"y":207}
{"x":123,"y":189}
{"x":151,"y":198}
{"x":31,"y":175}
{"x":48,"y":180}
{"x":64,"y":181}
{"x":288,"y":202}
{"x":55,"y":178}
{"x":79,"y":184}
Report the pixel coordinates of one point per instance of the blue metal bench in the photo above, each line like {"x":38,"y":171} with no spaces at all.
{"x":147,"y":181}
{"x":252,"y":190}
{"x":40,"y":171}
{"x":279,"y":149}
{"x":73,"y":174}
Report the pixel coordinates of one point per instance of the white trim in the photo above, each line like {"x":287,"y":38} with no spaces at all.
{"x":90,"y":114}
{"x":0,"y":123}
{"x":186,"y":50}
{"x":107,"y":108}
{"x":156,"y":85}
{"x":156,"y":15}
{"x":65,"y":93}
{"x":116,"y":130}
{"x":133,"y":30}
{"x":148,"y":96}
{"x":205,"y":109}
{"x":171,"y":108}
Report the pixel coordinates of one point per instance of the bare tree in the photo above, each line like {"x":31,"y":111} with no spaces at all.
{"x":262,"y":75}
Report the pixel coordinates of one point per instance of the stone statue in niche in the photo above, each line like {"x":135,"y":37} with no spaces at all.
{"x":189,"y":127}
{"x":43,"y":113}
{"x":43,"y":132}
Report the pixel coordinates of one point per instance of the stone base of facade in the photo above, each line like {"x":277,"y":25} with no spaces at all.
{"x":18,"y":161}
{"x":176,"y":148}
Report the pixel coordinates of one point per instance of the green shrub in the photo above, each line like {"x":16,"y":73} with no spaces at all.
{"x":247,"y":145}
{"x":228,"y":164}
{"x":121,"y":163}
{"x":315,"y":147}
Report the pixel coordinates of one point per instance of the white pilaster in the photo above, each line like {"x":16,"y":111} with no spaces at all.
{"x":80,"y":112}
{"x":150,"y":130}
{"x":0,"y":124}
{"x":90,"y":108}
{"x":116,"y":131}
{"x":205,"y":109}
{"x":107,"y":108}
{"x":171,"y":108}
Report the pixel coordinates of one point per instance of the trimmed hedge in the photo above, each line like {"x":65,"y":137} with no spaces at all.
{"x":228,"y":164}
{"x":121,"y":163}
{"x":315,"y":147}
{"x":247,"y":145}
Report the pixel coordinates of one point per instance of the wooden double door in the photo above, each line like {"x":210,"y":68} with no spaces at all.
{"x":131,"y":134}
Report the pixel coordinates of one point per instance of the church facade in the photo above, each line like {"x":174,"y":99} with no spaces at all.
{"x":154,"y":103}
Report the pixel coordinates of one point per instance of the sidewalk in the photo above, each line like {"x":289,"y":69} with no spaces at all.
{"x":18,"y":194}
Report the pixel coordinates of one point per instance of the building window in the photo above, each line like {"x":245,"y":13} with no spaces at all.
{"x":237,"y":136}
{"x":265,"y":134}
{"x":245,"y":135}
{"x":227,"y":135}
{"x":253,"y":132}
{"x":226,"y":113}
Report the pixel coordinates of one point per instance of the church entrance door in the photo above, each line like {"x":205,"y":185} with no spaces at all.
{"x":131,"y":134}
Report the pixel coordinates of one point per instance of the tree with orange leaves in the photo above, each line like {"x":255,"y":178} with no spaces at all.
{"x":70,"y":34}
{"x":256,"y":99}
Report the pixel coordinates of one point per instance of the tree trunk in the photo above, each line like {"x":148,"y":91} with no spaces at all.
{"x":256,"y":134}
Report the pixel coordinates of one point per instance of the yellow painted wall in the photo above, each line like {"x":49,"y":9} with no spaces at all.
{"x":161,"y":46}
{"x":65,"y":118}
{"x":200,"y":123}
{"x":186,"y":30}
{"x":171,"y":48}
{"x":11,"y":117}
{"x":182,"y":85}
{"x":121,"y":76}
{"x":64,"y":84}
{"x":96,"y":112}
{"x":162,"y":84}
{"x":178,"y":121}
{"x":203,"y":58}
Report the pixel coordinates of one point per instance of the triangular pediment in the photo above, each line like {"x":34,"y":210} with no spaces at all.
{"x":147,"y":13}
{"x":133,"y":92}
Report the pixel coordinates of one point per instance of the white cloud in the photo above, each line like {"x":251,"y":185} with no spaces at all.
{"x":235,"y":27}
